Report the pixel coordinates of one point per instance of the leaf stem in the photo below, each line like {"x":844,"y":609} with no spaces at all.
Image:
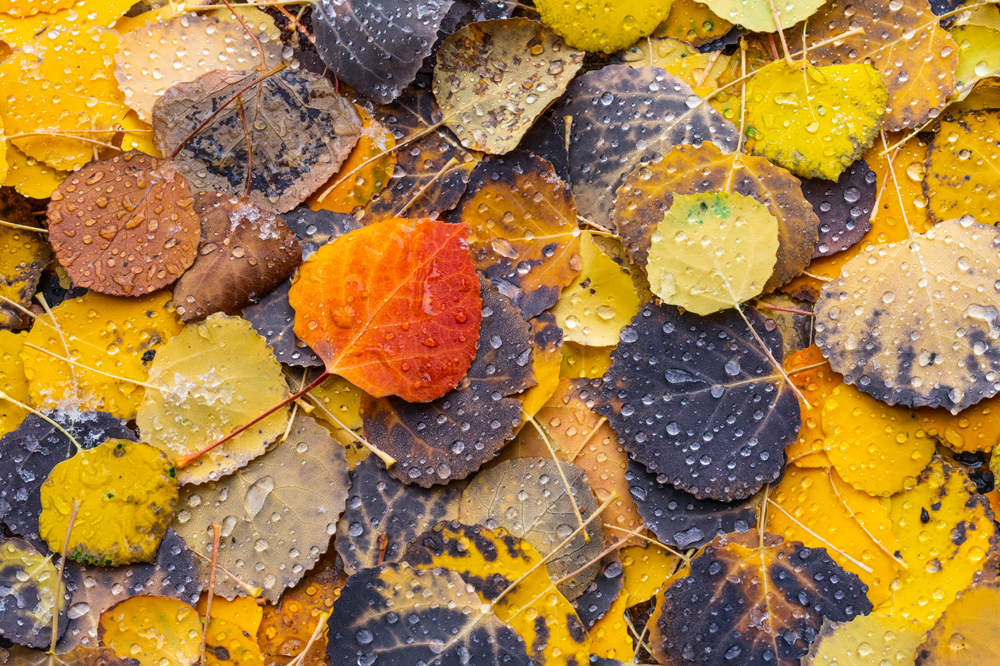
{"x":781,"y":34}
{"x":62,"y":568}
{"x":5,"y":223}
{"x":382,"y":455}
{"x":562,"y":475}
{"x":211,"y":589}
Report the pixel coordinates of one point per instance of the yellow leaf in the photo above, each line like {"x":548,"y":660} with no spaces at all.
{"x":599,"y":302}
{"x":809,"y":450}
{"x":243,"y":612}
{"x":692,"y":22}
{"x":340,"y":402}
{"x":962,"y":168}
{"x":227,"y":644}
{"x":137,"y":135}
{"x":875,"y":447}
{"x":29,"y":176}
{"x":492,"y":560}
{"x":62,"y":97}
{"x":77,"y":16}
{"x":975,"y":429}
{"x":157,"y":631}
{"x":609,"y":637}
{"x":28,"y":595}
{"x":598,"y":25}
{"x":646,"y":571}
{"x":213,"y":377}
{"x":23,"y":257}
{"x":978,"y":56}
{"x":23,"y":8}
{"x":112,"y":335}
{"x":581,"y":361}
{"x":945,"y":531}
{"x":12,"y":380}
{"x":712,"y":251}
{"x":867,"y":640}
{"x":820,"y":510}
{"x":757,"y":16}
{"x":814,"y":121}
{"x":127,"y":493}
{"x":968,"y":632}
{"x":546,"y":361}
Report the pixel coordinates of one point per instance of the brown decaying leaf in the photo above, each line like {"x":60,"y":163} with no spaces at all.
{"x":522,"y":229}
{"x":648,"y":193}
{"x":274,"y":318}
{"x":245,"y":252}
{"x":125,"y":226}
{"x":294,"y":151}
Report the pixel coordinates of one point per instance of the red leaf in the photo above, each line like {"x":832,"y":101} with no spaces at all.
{"x":393,"y":307}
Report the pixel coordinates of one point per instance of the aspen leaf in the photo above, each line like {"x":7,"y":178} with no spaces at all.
{"x":920,"y":293}
{"x":491,"y":560}
{"x":759,"y":15}
{"x":583,"y":362}
{"x":599,"y":301}
{"x":212,"y":377}
{"x":21,"y":8}
{"x":274,"y":318}
{"x":180,"y":50}
{"x":227,"y":644}
{"x":138,"y":135}
{"x":29,"y":176}
{"x":71,"y":17}
{"x":978,"y":57}
{"x":610,"y":637}
{"x":692,"y":22}
{"x":28,"y":582}
{"x":143,"y":214}
{"x":242,"y":612}
{"x":598,"y":598}
{"x":546,"y":362}
{"x":79,"y":656}
{"x":597,"y":25}
{"x":646,"y":570}
{"x":974,"y":429}
{"x":372,"y":283}
{"x":13,"y":382}
{"x":526,"y":496}
{"x":117,"y":336}
{"x":522,"y":229}
{"x":23,"y":256}
{"x":127,"y":494}
{"x":277,"y":514}
{"x":961,"y":165}
{"x":814,"y":121}
{"x":447,"y":618}
{"x":712,"y":251}
{"x":815,"y":383}
{"x":967,"y":632}
{"x":867,"y":640}
{"x":166,"y":631}
{"x":844,"y":208}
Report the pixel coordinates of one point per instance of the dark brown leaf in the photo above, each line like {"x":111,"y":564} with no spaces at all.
{"x":274,"y":318}
{"x":844,"y":207}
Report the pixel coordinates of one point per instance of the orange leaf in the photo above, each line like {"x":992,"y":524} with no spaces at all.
{"x":815,"y":384}
{"x":393,"y":308}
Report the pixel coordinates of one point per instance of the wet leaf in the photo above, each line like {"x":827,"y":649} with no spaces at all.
{"x":445,"y":620}
{"x":759,"y":15}
{"x":973,"y":430}
{"x":728,"y":413}
{"x":356,"y":298}
{"x":494,"y":78}
{"x":817,"y":508}
{"x":226,"y":643}
{"x":600,"y":300}
{"x":844,"y":208}
{"x":935,"y":367}
{"x":712,"y":251}
{"x":527,"y":497}
{"x":522,"y":229}
{"x":276,"y":515}
{"x":29,"y":453}
{"x":315,"y":228}
{"x":384,"y":515}
{"x":580,"y":361}
{"x":680,"y":519}
{"x":897,"y":42}
{"x":874,"y":447}
{"x":167,"y":632}
{"x":242,"y":612}
{"x":12,"y":382}
{"x":127,"y":494}
{"x":245,"y":252}
{"x":546,"y":360}
{"x":28,"y":583}
{"x":967,"y":631}
{"x":491,"y":561}
{"x":451,"y":437}
{"x":960,"y":167}
{"x":815,"y":383}
{"x":157,"y":55}
{"x":143,"y":214}
{"x":377,"y":62}
{"x":646,"y":570}
{"x":784,"y":118}
{"x":610,"y":637}
{"x":597,"y":600}
{"x":294,"y":152}
{"x":93,"y":590}
{"x":117,"y":336}
{"x":53,"y":122}
{"x":757,"y":598}
{"x":647,"y":194}
{"x":978,"y":57}
{"x":642,"y":127}
{"x":692,"y":22}
{"x":867,"y":640}
{"x":214,"y":376}
{"x":597,"y":25}
{"x":274,"y":318}
{"x":945,"y":532}
{"x":80,"y":656}
{"x":29,"y":176}
{"x":23,"y":257}
{"x":71,"y":17}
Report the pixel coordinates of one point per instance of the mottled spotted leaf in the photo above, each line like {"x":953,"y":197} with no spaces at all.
{"x":844,"y":208}
{"x":961,"y":166}
{"x":756,"y":598}
{"x":451,"y":437}
{"x":696,"y":400}
{"x":28,"y":597}
{"x":80,"y":656}
{"x":400,"y":615}
{"x":383,"y":515}
{"x":23,"y":258}
{"x":294,"y":151}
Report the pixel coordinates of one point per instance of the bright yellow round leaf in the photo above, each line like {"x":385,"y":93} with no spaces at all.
{"x":117,"y":336}
{"x":867,"y":640}
{"x":975,"y":429}
{"x":875,"y":447}
{"x":646,"y":571}
{"x":157,"y":631}
{"x":127,"y":493}
{"x":137,"y":135}
{"x":30,"y":177}
{"x":815,"y":122}
{"x":978,"y":56}
{"x":712,"y":251}
{"x":692,"y":22}
{"x":599,"y":302}
{"x":12,"y":380}
{"x":76,"y":16}
{"x":64,"y":84}
{"x":962,"y":165}
{"x":602,"y":25}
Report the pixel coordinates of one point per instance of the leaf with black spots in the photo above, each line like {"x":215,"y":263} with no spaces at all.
{"x":383,"y":515}
{"x":25,"y":255}
{"x":844,"y":207}
{"x":401,"y":616}
{"x":245,"y":252}
{"x":680,"y":519}
{"x":697,"y":401}
{"x":300,"y":131}
{"x":29,"y":453}
{"x":758,"y":599}
{"x":81,"y":656}
{"x":451,"y":437}
{"x":28,"y":595}
{"x":377,"y":47}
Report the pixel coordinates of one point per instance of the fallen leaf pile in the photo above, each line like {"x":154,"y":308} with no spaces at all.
{"x":499,"y":333}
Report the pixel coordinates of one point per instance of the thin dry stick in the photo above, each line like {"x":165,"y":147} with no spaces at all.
{"x":317,"y":632}
{"x":62,"y":566}
{"x":826,"y":543}
{"x":651,"y":540}
{"x":246,"y":587}
{"x":211,"y":590}
{"x":781,"y":34}
{"x":253,"y":36}
{"x":293,"y":21}
{"x":780,"y":308}
{"x":442,"y":172}
{"x":27,"y":408}
{"x":295,"y":410}
{"x":94,"y":370}
{"x":246,"y":133}
{"x":708,"y":67}
{"x":836,"y":491}
{"x":562,"y":475}
{"x":385,"y":457}
{"x":5,"y":223}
